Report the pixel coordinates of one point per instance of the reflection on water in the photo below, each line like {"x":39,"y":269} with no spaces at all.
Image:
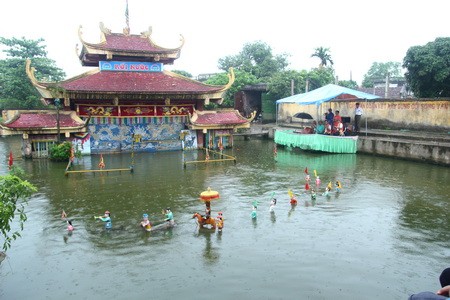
{"x":389,"y":223}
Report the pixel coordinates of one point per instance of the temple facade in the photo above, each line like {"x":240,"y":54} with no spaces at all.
{"x":129,"y":102}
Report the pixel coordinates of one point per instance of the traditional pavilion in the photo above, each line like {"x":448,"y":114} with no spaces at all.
{"x":134,"y":104}
{"x":41,"y":129}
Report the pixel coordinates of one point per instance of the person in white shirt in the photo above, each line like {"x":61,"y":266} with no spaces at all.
{"x":358,"y":114}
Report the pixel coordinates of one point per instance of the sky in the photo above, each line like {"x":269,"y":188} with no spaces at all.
{"x":357,"y":32}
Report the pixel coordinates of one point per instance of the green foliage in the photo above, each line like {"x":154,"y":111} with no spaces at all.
{"x":428,"y":68}
{"x":256,"y":59}
{"x":17,"y":92}
{"x":319,"y":77}
{"x":12,"y":189}
{"x":183,"y":73}
{"x":324,"y":56}
{"x":279,"y":84}
{"x":60,"y":152}
{"x":242,"y":79}
{"x":378,"y":72}
{"x":351,"y":84}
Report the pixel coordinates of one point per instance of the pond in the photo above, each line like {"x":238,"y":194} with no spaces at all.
{"x":384,"y":236}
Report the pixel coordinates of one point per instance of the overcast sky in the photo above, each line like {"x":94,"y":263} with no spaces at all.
{"x":357,"y":32}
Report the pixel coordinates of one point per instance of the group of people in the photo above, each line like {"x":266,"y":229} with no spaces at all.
{"x":332,"y":124}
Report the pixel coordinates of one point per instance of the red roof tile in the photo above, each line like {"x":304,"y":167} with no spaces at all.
{"x":120,"y":42}
{"x":129,"y":82}
{"x":31,"y":120}
{"x":219,"y":118}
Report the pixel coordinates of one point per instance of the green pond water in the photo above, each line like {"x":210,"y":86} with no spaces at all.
{"x":385,"y":236}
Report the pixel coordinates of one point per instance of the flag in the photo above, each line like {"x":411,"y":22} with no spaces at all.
{"x":11,"y":160}
{"x":127,"y":18}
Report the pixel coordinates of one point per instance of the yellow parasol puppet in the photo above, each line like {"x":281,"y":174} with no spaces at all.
{"x":207,"y":196}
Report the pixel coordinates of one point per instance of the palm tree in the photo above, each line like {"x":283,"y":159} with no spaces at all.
{"x":323,"y":55}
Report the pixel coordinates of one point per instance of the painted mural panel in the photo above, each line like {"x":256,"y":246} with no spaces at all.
{"x":158,"y":135}
{"x":189,"y":139}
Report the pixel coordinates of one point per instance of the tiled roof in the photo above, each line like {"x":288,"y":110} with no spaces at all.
{"x":218,"y":118}
{"x":120,"y":42}
{"x":40,"y":120}
{"x":394,"y":92}
{"x":137,"y":82}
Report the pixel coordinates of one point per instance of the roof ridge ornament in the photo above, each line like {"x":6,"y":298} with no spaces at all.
{"x":148,"y":33}
{"x":105,"y":30}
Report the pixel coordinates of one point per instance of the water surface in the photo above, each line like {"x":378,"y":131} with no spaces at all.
{"x":384,"y":236}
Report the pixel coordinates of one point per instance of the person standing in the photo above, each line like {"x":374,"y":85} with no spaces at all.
{"x":330,"y":117}
{"x":358,"y":114}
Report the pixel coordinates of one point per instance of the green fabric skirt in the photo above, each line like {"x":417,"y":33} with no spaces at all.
{"x":317,"y":142}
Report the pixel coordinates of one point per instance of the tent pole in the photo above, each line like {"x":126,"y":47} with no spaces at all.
{"x":276,"y":113}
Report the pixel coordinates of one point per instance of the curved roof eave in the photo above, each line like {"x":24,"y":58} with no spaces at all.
{"x":98,"y":47}
{"x":41,"y":88}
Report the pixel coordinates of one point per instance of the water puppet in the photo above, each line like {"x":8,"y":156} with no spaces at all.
{"x":307,"y":178}
{"x":145,"y":223}
{"x":338,"y":186}
{"x":202,"y":222}
{"x":70,"y":227}
{"x":254,"y":209}
{"x":106,"y":218}
{"x":318,"y":182}
{"x":219,"y":221}
{"x":327,"y":191}
{"x":169,"y":217}
{"x":293,"y":201}
{"x":329,"y":186}
{"x":273,"y":202}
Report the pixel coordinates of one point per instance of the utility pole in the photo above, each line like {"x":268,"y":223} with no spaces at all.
{"x":386,"y":89}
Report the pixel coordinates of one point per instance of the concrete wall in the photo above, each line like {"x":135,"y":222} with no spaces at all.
{"x":420,"y":114}
{"x":424,"y":151}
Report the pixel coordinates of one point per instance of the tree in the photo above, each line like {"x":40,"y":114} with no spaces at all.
{"x":280,"y":83}
{"x":379,"y":70}
{"x":351,"y":84}
{"x":13,"y":188}
{"x":428,"y":68}
{"x":319,"y":77}
{"x":242,"y":79}
{"x":183,"y":73}
{"x":16,"y":88}
{"x":324,"y":56}
{"x":257,"y":59}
